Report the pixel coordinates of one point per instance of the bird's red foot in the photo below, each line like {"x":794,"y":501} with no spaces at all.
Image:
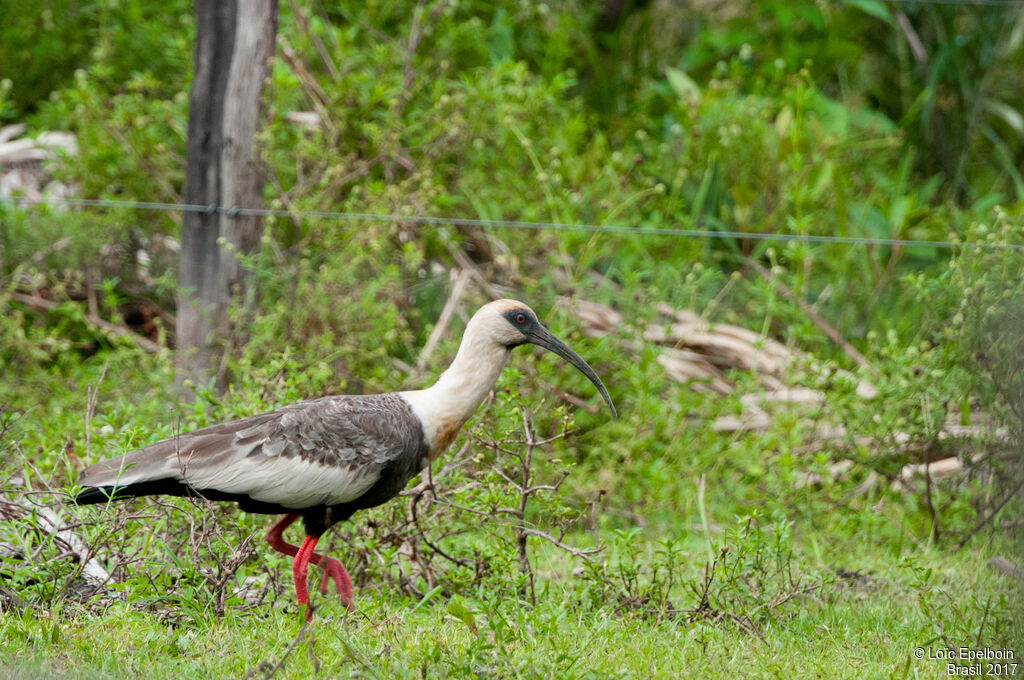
{"x":304,"y":555}
{"x":334,"y":569}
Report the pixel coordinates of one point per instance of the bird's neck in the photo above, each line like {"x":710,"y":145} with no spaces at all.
{"x":447,"y":404}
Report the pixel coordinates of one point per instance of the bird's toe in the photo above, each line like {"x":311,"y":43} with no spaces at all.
{"x":334,"y":569}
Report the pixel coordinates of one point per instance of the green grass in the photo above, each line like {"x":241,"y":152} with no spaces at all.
{"x":856,"y":631}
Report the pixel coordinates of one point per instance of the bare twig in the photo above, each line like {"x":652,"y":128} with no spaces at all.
{"x":268,"y":669}
{"x":459,"y":283}
{"x":422,"y":534}
{"x":482,"y":281}
{"x":92,"y":396}
{"x":310,"y":86}
{"x":1006,"y":568}
{"x":318,"y":44}
{"x":415,"y":36}
{"x":44,"y":305}
{"x":828,"y":329}
{"x":913,"y":40}
{"x":933,"y":533}
{"x":585,"y":553}
{"x":988,"y":518}
{"x":352,"y":654}
{"x":523,"y":533}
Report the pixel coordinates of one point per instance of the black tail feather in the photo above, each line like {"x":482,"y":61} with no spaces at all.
{"x":93,"y":494}
{"x":103,"y":494}
{"x":172,"y":487}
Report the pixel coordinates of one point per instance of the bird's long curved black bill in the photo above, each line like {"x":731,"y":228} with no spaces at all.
{"x":543,"y":337}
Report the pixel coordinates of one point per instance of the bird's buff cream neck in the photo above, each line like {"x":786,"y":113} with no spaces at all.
{"x":447,"y":404}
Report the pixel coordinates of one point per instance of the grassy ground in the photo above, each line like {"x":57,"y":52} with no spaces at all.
{"x":866,"y":628}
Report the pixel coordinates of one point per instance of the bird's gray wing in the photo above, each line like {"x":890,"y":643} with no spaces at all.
{"x":320,"y":452}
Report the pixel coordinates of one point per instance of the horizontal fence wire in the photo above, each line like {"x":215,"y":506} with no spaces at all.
{"x":495,"y":224}
{"x":963,"y":3}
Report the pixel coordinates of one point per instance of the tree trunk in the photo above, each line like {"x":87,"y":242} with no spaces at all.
{"x":234,"y":45}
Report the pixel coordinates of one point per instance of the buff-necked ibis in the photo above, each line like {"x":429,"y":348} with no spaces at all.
{"x":326,"y":458}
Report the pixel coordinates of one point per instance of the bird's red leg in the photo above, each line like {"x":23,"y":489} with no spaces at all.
{"x":332,"y":567}
{"x":275,"y":537}
{"x":299,"y":568}
{"x":342,"y":582}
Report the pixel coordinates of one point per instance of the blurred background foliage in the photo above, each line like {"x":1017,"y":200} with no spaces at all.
{"x":861,"y":118}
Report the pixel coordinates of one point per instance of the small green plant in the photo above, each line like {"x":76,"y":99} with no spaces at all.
{"x":752,"y":577}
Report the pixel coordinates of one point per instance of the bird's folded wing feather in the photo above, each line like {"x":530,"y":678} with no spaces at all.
{"x":320,"y":452}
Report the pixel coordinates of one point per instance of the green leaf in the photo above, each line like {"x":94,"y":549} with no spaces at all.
{"x":874,"y":8}
{"x":1009,"y":115}
{"x":683,"y":84}
{"x":458,"y":609}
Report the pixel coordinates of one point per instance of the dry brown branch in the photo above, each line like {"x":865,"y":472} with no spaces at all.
{"x":751,"y":420}
{"x":1006,"y":567}
{"x":412,"y":45}
{"x":828,"y":329}
{"x":44,"y":305}
{"x":913,"y":40}
{"x":433,"y":546}
{"x":46,"y":522}
{"x":92,"y":396}
{"x":694,"y":369}
{"x":988,"y":518}
{"x":598,"y":320}
{"x":310,"y":86}
{"x":934,"y":470}
{"x":45,"y":146}
{"x":9,"y":132}
{"x":481,"y":280}
{"x":460,"y":282}
{"x":584,"y":553}
{"x":318,"y":44}
{"x":573,"y":400}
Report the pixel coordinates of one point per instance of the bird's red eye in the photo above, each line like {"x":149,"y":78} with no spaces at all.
{"x":520,"y":318}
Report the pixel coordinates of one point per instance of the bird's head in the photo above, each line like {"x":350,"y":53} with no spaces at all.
{"x":511,"y":323}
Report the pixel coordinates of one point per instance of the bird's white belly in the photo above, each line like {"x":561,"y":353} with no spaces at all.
{"x":291,"y":482}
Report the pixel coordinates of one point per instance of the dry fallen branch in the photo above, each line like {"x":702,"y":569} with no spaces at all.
{"x":43,"y":305}
{"x":694,"y":369}
{"x":785,"y":395}
{"x":23,"y":171}
{"x":698,"y":353}
{"x":585,"y":553}
{"x":939,"y":469}
{"x":828,"y":329}
{"x":988,"y":517}
{"x":47,"y":523}
{"x":598,"y":320}
{"x":1006,"y":568}
{"x":45,"y":146}
{"x":460,"y":282}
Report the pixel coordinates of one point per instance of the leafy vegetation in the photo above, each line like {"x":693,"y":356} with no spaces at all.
{"x":552,"y":541}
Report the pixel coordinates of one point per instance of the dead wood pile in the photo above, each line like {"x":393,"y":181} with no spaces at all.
{"x":23,"y":170}
{"x":707,"y":357}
